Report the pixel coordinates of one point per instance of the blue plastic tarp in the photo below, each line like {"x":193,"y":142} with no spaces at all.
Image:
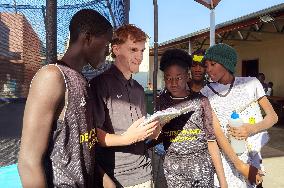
{"x":9,"y":177}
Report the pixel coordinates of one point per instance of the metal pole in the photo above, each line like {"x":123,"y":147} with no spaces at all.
{"x":212,"y":24}
{"x":44,"y":16}
{"x":212,"y":27}
{"x":15,"y":5}
{"x":189,"y":47}
{"x":111,"y":13}
{"x":127,"y":9}
{"x":51,"y":31}
{"x":155,"y":72}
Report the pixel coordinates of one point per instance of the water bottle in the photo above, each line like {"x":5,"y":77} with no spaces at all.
{"x":238,"y":146}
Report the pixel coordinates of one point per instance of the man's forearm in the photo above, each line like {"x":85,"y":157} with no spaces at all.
{"x":32,"y":175}
{"x":108,"y":140}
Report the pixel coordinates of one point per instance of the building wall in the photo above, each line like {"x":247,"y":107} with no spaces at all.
{"x":160,"y":75}
{"x":31,"y":54}
{"x":143,"y":75}
{"x":19,"y":55}
{"x":269,"y":52}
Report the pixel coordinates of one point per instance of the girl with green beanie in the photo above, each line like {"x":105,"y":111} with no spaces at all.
{"x":245,"y":95}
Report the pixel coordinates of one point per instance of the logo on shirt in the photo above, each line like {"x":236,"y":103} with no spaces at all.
{"x":119,"y":96}
{"x":89,"y":137}
{"x":252,"y":120}
{"x":183,"y":135}
{"x":82,"y":102}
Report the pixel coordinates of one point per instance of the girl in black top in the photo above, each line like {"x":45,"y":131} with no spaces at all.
{"x":188,"y":139}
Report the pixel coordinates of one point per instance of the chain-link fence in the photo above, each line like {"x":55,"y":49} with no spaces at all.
{"x":23,"y":36}
{"x":23,"y":50}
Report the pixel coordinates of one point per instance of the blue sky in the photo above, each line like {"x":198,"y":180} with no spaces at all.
{"x":180,"y":17}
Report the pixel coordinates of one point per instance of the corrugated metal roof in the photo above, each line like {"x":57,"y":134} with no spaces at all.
{"x":227,"y":23}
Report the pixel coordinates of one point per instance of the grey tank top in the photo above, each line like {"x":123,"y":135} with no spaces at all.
{"x":69,"y":161}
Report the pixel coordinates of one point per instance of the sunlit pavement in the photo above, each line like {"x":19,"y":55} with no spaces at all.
{"x":273,"y":155}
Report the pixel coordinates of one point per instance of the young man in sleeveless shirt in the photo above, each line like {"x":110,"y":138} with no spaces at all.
{"x":58,"y":137}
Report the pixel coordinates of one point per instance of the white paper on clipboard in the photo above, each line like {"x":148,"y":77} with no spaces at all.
{"x":166,"y":115}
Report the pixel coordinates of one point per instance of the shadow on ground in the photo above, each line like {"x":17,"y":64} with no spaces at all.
{"x":11,"y":127}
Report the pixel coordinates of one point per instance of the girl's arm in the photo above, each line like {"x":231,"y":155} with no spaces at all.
{"x":249,"y":172}
{"x":269,"y":120}
{"x":216,"y":158}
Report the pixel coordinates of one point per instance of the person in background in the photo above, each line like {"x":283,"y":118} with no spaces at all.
{"x":59,"y":138}
{"x":269,"y":89}
{"x":245,"y":95}
{"x":261,"y":78}
{"x":197,"y":71}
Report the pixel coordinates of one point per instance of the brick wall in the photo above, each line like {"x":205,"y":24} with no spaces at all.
{"x":20,"y":55}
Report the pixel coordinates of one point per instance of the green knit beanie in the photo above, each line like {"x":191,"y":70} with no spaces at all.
{"x":222,"y":54}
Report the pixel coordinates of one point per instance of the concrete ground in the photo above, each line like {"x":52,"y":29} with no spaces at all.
{"x":11,"y":115}
{"x":11,"y":125}
{"x":273,"y":155}
{"x":273,"y":159}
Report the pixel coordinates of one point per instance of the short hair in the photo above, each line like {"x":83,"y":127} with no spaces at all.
{"x":175,"y":57}
{"x":88,"y":21}
{"x":128,"y":31}
{"x":261,"y":75}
